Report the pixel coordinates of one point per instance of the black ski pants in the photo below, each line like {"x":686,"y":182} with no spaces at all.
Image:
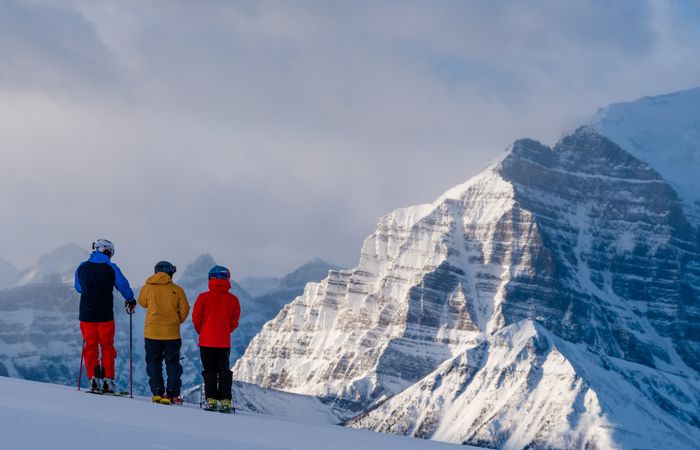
{"x":158,"y":350}
{"x":217,"y":374}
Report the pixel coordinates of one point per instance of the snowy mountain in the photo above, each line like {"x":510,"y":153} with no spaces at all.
{"x":664,"y":131}
{"x":272,"y":294}
{"x":9,"y":275}
{"x":542,"y":392}
{"x":57,"y":266}
{"x":38,"y":416}
{"x":39,"y":333}
{"x":579,"y":254}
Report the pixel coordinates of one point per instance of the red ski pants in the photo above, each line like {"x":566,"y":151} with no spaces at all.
{"x":96,"y":335}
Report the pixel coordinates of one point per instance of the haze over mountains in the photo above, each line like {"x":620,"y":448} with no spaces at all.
{"x":663,"y":131}
{"x":8,"y":274}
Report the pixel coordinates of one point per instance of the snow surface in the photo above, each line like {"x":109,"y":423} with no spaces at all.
{"x":40,"y":416}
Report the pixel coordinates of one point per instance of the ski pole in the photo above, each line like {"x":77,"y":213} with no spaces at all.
{"x":131,"y":360}
{"x":80,"y":371}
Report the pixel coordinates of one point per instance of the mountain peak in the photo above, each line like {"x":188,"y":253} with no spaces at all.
{"x":581,"y":152}
{"x":58,"y":264}
{"x":196,"y":271}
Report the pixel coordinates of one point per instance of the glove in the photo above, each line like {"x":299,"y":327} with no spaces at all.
{"x":130,"y":306}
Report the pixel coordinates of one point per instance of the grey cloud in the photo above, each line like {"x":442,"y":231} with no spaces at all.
{"x":50,"y":49}
{"x":267,"y":133}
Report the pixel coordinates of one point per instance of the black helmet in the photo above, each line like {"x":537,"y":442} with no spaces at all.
{"x":165,"y":266}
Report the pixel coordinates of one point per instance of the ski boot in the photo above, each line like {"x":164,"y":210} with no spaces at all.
{"x":226,"y":405}
{"x":108,"y":386}
{"x":95,"y":384}
{"x":165,"y":400}
{"x":156,"y":398}
{"x":173,"y":398}
{"x":211,"y":405}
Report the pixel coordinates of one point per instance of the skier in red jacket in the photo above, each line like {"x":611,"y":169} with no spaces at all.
{"x":215,"y":316}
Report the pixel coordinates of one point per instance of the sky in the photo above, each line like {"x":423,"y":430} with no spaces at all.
{"x":267,"y":133}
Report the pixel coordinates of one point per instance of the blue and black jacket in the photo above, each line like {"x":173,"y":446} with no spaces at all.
{"x":95,"y":280}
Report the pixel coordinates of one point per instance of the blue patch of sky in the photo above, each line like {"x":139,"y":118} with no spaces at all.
{"x":455,"y":71}
{"x":688,"y":14}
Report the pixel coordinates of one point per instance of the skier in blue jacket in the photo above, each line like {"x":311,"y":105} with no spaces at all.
{"x":95,"y":280}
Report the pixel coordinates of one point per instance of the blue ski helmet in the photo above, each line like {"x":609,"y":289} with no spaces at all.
{"x":165,"y":266}
{"x":220,"y":272}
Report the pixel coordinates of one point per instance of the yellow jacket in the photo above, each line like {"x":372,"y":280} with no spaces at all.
{"x":167,"y":307}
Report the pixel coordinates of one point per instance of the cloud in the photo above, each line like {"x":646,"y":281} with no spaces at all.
{"x":268,"y":133}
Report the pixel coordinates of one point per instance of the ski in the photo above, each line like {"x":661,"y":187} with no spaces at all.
{"x":109,"y":394}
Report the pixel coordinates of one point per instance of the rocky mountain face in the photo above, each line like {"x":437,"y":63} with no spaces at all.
{"x":271,"y":294}
{"x":524,"y":387}
{"x":575,"y":263}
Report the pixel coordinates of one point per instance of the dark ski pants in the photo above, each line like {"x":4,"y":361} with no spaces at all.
{"x":158,"y":350}
{"x":217,"y":374}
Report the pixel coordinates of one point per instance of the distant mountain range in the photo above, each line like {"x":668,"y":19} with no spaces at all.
{"x":39,"y":333}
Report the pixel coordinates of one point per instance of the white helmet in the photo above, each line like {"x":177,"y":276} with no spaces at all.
{"x":103,"y":246}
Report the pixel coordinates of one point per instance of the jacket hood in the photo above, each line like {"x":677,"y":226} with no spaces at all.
{"x":219,"y":285}
{"x":159,"y":278}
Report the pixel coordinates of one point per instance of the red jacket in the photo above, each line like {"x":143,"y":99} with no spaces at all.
{"x":215,"y":315}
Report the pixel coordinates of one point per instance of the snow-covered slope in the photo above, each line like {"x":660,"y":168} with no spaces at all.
{"x":36,"y":416}
{"x":665,"y":132}
{"x":9,"y":274}
{"x":525,"y":388}
{"x":254,"y":399}
{"x":583,"y":238}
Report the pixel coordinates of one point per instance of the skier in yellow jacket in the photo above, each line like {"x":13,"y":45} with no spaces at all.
{"x":167,"y":307}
